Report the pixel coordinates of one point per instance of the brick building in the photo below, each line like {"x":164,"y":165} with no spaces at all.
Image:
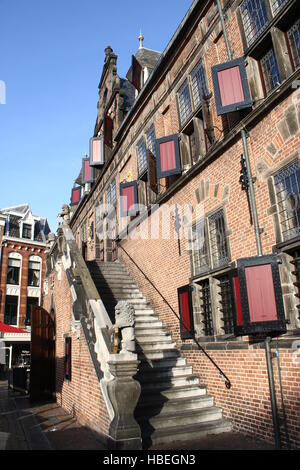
{"x":226,"y":84}
{"x":22,"y":259}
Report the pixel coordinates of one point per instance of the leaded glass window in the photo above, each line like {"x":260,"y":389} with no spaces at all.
{"x":184,"y":102}
{"x":255,"y":19}
{"x":287,"y":185}
{"x":199,"y":245}
{"x":207,"y":316}
{"x":218,"y":239}
{"x":294,"y":42}
{"x":277,"y":5}
{"x":142,"y":157}
{"x":198,"y":81}
{"x":270,"y":71}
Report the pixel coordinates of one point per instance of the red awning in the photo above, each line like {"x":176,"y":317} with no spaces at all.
{"x":10,"y":329}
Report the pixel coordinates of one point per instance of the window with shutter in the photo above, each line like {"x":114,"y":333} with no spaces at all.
{"x":277,"y":5}
{"x":270,"y":71}
{"x":96,"y":151}
{"x":261,"y":296}
{"x":293,"y":35}
{"x":87,"y":171}
{"x":128,"y":199}
{"x":186,"y":312}
{"x":141,"y":156}
{"x":199,"y":84}
{"x":184,"y":102}
{"x":231,"y":86}
{"x":255,"y":18}
{"x":76,"y":195}
{"x":168,"y":156}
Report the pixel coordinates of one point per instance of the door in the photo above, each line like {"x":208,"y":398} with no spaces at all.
{"x":42,"y":367}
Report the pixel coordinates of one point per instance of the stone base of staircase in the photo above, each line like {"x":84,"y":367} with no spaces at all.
{"x":173,"y":405}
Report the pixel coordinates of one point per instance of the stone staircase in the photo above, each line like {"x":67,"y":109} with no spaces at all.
{"x":173,"y":405}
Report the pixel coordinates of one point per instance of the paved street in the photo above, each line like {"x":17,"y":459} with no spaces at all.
{"x":48,"y":427}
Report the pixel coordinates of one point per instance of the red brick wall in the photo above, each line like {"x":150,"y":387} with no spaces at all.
{"x":81,"y":396}
{"x":25,"y":250}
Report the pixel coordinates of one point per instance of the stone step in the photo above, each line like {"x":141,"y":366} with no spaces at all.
{"x":160,"y":405}
{"x":155,"y":346}
{"x":151,"y":376}
{"x":176,"y":392}
{"x":163,"y":363}
{"x":184,"y":433}
{"x":169,"y":382}
{"x":144,"y":311}
{"x":150,"y":355}
{"x":184,"y":418}
{"x":146,"y":323}
{"x":145,"y":332}
{"x":121,"y":294}
{"x":122,"y":283}
{"x":148,"y":339}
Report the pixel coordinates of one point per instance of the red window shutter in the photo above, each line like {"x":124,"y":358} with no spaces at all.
{"x":136,"y":73}
{"x":238,"y":305}
{"x":76,"y":195}
{"x":168,"y":157}
{"x":261,"y":295}
{"x":87,"y":171}
{"x":129,"y":198}
{"x":108,"y":127}
{"x":186,"y":312}
{"x":68,"y":358}
{"x":230,"y":83}
{"x":231,"y":86}
{"x":96,"y":151}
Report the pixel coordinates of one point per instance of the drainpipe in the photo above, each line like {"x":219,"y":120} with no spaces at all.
{"x":224,"y":30}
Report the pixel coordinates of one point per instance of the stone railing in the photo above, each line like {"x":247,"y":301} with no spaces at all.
{"x":115,"y":369}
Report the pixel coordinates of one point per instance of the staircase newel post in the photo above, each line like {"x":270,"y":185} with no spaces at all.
{"x":124,"y":391}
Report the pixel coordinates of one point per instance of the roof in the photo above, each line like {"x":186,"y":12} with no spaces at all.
{"x":147,"y":57}
{"x":10,"y":329}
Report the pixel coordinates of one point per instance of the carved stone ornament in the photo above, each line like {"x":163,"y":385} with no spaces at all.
{"x":65,"y":214}
{"x":125,"y":321}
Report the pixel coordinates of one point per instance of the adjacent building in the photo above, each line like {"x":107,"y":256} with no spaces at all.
{"x":22,"y":261}
{"x":173,"y":135}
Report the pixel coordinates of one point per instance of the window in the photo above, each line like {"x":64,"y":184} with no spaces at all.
{"x":26,"y":232}
{"x":13,"y":271}
{"x":198,"y":82}
{"x":108,"y":197}
{"x":209,"y":247}
{"x":287,"y":187}
{"x":277,"y":5}
{"x":184,"y":102}
{"x":293,"y":35}
{"x":226,"y":302}
{"x":151,"y":138}
{"x":200,"y":255}
{"x":208,"y":327}
{"x":141,"y":156}
{"x":255,"y":19}
{"x":218,"y":239}
{"x":34,"y":270}
{"x":30,"y":301}
{"x":270,"y":71}
{"x":11,"y":310}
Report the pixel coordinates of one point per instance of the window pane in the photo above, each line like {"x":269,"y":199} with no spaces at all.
{"x":277,"y":5}
{"x":113,"y":193}
{"x":206,"y":308}
{"x":184,"y":102}
{"x":218,"y":239}
{"x":198,"y":77}
{"x":294,"y":41}
{"x":142,"y":160}
{"x":34,"y":277}
{"x":11,"y":310}
{"x":270,"y":71}
{"x":287,"y":185}
{"x":200,"y":258}
{"x":150,"y":138}
{"x":26,"y":231}
{"x":226,"y":304}
{"x":13,"y":272}
{"x":255,"y":19}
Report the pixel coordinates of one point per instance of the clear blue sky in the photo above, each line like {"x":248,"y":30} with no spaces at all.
{"x":51,"y":59}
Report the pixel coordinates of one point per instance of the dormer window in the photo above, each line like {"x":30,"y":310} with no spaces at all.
{"x":27,"y":231}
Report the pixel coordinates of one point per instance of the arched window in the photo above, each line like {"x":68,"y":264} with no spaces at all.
{"x":34,"y":271}
{"x":13,"y":269}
